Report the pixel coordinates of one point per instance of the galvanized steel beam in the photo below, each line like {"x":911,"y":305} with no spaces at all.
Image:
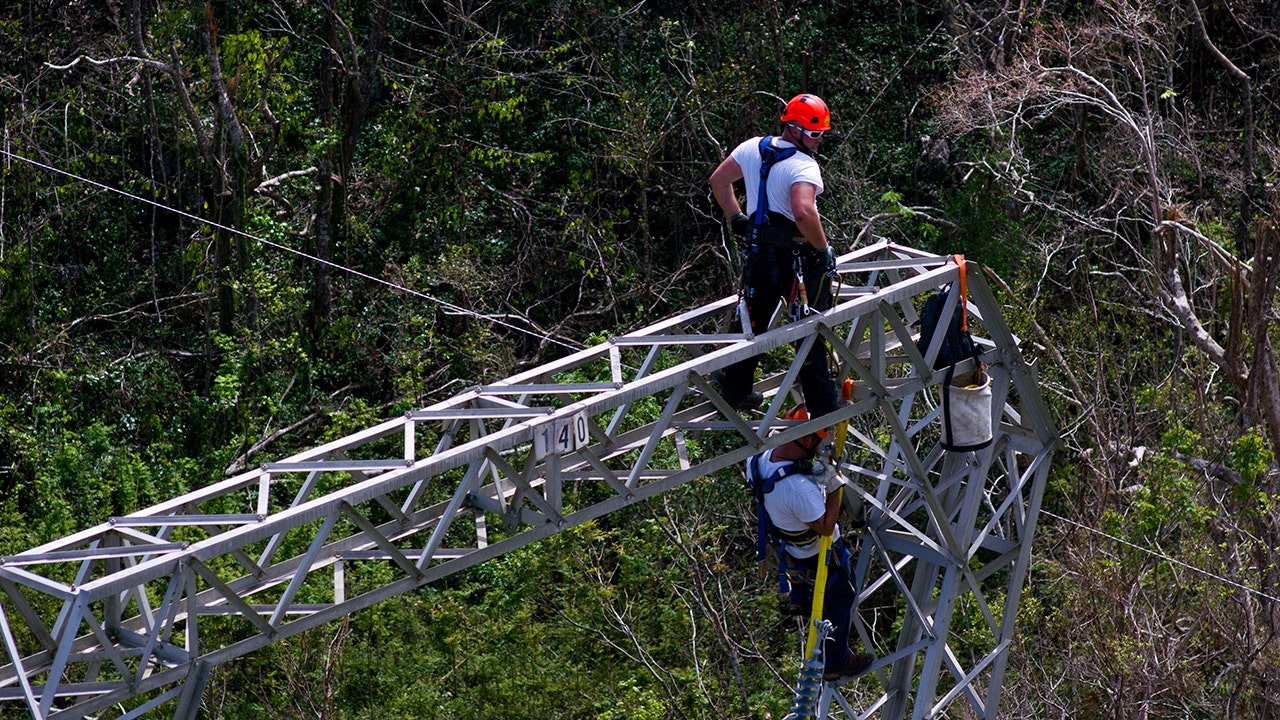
{"x":110,"y":617}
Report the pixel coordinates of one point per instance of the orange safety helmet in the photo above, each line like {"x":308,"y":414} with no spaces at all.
{"x":809,"y":112}
{"x":800,"y":412}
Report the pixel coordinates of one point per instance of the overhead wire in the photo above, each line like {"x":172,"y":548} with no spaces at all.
{"x":499,"y":321}
{"x":919,"y":46}
{"x":452,"y":307}
{"x":846,"y":135}
{"x":1175,"y":561}
{"x":1219,"y":578}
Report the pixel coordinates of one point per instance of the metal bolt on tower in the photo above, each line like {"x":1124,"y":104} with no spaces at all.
{"x":109,"y":619}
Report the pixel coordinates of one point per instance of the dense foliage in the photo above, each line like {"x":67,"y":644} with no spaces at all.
{"x":233,"y":230}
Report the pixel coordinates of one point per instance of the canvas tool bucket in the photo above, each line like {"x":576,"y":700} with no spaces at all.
{"x":966,"y":411}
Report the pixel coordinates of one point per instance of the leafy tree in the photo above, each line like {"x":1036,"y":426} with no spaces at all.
{"x":229,"y":230}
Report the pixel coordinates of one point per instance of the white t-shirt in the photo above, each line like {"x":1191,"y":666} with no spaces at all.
{"x":795,"y":501}
{"x":800,"y":167}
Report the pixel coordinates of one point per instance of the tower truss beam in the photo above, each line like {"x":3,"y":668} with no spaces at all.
{"x":111,"y":617}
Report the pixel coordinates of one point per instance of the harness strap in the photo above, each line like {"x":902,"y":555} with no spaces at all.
{"x":964,"y":292}
{"x":765,"y":224}
{"x":769,"y":156}
{"x":796,"y":537}
{"x":765,"y":529}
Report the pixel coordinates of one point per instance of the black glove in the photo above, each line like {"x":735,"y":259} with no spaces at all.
{"x":829,"y":262}
{"x":740,"y":225}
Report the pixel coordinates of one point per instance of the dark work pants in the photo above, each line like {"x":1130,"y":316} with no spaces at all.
{"x":770,"y":276}
{"x":837,"y":603}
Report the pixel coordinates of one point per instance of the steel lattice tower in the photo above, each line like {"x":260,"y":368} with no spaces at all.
{"x":110,"y":617}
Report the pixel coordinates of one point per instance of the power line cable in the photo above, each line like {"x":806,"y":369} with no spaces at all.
{"x":444,"y":303}
{"x":848,"y":133}
{"x":1219,"y":578}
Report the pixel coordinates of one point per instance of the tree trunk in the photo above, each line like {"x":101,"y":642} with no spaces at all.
{"x":1263,"y":399}
{"x":227,"y":191}
{"x":318,"y":319}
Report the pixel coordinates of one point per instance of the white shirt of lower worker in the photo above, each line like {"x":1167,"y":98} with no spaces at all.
{"x":797,"y":168}
{"x":795,"y":501}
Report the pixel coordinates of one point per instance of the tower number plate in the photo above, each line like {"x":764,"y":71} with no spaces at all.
{"x":561,"y":435}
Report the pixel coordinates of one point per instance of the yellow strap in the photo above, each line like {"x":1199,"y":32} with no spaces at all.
{"x":824,"y":544}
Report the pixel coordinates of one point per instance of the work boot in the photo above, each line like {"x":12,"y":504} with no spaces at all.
{"x":796,"y":607}
{"x":800,"y":598}
{"x":750,"y":401}
{"x":857,"y":665}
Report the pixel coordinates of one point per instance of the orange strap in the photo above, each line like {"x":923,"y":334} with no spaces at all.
{"x":964,"y":293}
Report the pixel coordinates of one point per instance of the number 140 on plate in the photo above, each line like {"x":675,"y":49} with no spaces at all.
{"x":561,"y":435}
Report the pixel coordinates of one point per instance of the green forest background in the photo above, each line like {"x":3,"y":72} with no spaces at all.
{"x":506,"y":180}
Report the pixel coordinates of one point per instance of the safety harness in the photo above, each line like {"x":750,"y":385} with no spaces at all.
{"x":769,"y":231}
{"x":766,"y":531}
{"x":769,"y":156}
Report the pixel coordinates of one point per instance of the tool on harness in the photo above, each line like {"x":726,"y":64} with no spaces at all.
{"x":798,"y":305}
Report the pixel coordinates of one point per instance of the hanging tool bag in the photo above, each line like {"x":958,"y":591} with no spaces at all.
{"x":966,"y":411}
{"x":966,"y":399}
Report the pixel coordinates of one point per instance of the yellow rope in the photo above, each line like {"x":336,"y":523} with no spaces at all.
{"x":824,"y":544}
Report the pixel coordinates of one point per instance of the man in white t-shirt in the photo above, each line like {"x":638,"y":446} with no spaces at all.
{"x":782,"y":237}
{"x":802,"y":504}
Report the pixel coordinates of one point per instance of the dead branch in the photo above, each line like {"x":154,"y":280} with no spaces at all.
{"x":120,"y":315}
{"x":110,"y":61}
{"x":1077,"y":394}
{"x":274,"y":182}
{"x":241,"y":462}
{"x":919,"y":212}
